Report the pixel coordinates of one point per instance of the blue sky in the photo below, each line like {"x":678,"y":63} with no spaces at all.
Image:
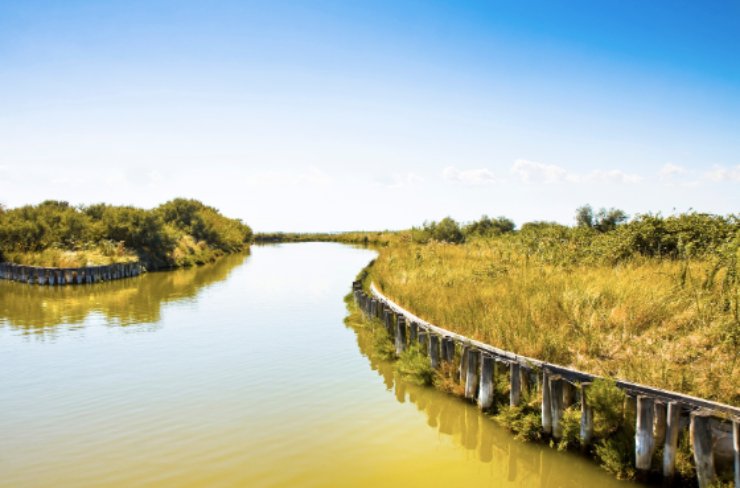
{"x":337,"y":115}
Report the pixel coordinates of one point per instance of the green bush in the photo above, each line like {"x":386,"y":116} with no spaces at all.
{"x":179,"y":232}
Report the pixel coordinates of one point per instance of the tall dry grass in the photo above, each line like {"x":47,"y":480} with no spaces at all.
{"x":666,"y":323}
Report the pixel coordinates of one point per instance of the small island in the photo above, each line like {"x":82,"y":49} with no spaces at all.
{"x":100,"y":242}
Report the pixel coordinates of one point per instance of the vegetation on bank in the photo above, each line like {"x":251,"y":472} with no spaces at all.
{"x":365,"y":238}
{"x":612,"y":445}
{"x":180,"y":232}
{"x":654,"y":300}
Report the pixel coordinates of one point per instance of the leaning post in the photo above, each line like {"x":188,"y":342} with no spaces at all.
{"x":434,"y":350}
{"x":546,"y":403}
{"x":400,"y":334}
{"x":485,"y":391}
{"x":471,"y":378}
{"x":670,"y":446}
{"x":701,"y":433}
{"x":556,"y":405}
{"x":644,"y":441}
{"x":515,"y":392}
{"x":587,"y":417}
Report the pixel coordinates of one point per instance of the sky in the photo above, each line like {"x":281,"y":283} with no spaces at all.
{"x":342,"y":115}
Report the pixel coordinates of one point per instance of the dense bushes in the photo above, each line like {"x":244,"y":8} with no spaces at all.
{"x":604,"y":236}
{"x":179,"y":232}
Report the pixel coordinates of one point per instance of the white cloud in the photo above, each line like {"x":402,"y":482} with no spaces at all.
{"x":720,"y":173}
{"x":471,"y":177}
{"x":611,"y":176}
{"x":534,"y":172}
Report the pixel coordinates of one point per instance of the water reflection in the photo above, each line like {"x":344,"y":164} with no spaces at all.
{"x":517,"y":462}
{"x":38,"y":309}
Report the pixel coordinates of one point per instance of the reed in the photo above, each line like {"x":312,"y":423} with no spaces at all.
{"x":670,"y":323}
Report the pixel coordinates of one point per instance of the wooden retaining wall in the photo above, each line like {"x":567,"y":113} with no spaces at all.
{"x":35,"y":275}
{"x":660,"y":415}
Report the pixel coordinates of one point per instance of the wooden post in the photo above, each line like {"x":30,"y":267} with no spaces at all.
{"x":422,"y":338}
{"x":485,"y":392}
{"x":525,"y":379}
{"x":413,"y":332}
{"x":450,"y":348}
{"x":660,"y":423}
{"x":701,"y":433}
{"x":587,"y":417}
{"x":556,"y":405}
{"x":400,"y":334}
{"x":546,"y":403}
{"x":434,"y":350}
{"x":736,"y":449}
{"x":644,"y":441}
{"x":673,"y":419}
{"x":471,"y":378}
{"x":388,"y":320}
{"x":515,"y":393}
{"x":463,"y":369}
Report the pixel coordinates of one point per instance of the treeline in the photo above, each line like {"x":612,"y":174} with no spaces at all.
{"x":180,"y":232}
{"x":381,"y":238}
{"x":604,"y":235}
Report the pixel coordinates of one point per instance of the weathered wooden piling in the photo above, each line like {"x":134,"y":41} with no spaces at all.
{"x":644,"y":441}
{"x":434,"y":350}
{"x":485,"y":390}
{"x":701,"y":433}
{"x":515,"y":380}
{"x":400,"y":334}
{"x":388,"y":320}
{"x":587,"y":417}
{"x":660,"y":423}
{"x":462,"y":369}
{"x":423,"y":339}
{"x":546,"y":403}
{"x":471,"y":378}
{"x":413,"y":332}
{"x":525,"y":379}
{"x":556,"y":405}
{"x":670,"y":445}
{"x":448,"y":349}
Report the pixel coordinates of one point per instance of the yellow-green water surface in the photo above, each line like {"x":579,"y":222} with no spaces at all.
{"x":239,"y":373}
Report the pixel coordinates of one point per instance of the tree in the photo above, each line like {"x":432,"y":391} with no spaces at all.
{"x":487,"y":226}
{"x":603,"y":221}
{"x":585,"y":216}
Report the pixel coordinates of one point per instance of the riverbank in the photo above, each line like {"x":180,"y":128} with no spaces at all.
{"x":630,"y":429}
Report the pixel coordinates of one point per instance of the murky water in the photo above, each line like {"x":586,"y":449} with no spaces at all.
{"x":240,"y":373}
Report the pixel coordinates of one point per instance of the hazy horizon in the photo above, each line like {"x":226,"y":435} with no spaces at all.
{"x":333,"y":116}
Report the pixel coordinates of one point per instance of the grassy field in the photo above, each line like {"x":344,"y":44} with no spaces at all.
{"x":670,"y":323}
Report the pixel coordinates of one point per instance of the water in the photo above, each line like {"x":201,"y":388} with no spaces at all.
{"x":240,"y":373}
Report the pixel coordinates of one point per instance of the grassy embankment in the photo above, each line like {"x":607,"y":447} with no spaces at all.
{"x":653,"y":301}
{"x":177,"y":233}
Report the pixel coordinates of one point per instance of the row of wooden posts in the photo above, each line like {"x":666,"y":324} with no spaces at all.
{"x":660,"y":415}
{"x":68,"y":276}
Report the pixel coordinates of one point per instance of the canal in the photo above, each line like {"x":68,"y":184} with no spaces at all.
{"x":238,"y":373}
